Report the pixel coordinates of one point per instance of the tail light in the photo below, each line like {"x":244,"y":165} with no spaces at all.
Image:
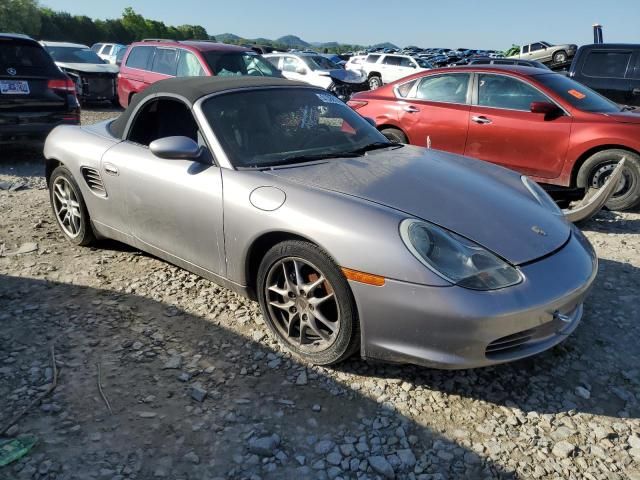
{"x":356,"y":104}
{"x":65,"y":85}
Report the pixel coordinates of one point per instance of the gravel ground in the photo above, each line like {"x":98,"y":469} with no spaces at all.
{"x":198,"y":390}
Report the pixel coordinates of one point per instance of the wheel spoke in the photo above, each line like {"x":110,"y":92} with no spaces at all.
{"x":282,"y":306}
{"x":315,"y":301}
{"x":283,"y":292}
{"x":322,"y":319}
{"x":299,"y":280}
{"x":310,"y":287}
{"x":60,"y":189}
{"x":313,"y":325}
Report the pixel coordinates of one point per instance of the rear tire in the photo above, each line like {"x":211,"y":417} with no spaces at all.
{"x":375,"y":82}
{"x":395,"y":135}
{"x":315,"y":319}
{"x":597,"y":168}
{"x":69,"y":208}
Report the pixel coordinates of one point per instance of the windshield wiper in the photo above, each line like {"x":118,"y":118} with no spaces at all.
{"x":311,"y":157}
{"x":627,"y":108}
{"x":375,"y":146}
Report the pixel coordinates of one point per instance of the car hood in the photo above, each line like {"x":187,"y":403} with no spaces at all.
{"x":90,"y":67}
{"x":625,"y":117}
{"x":483,"y":202}
{"x":346,"y":76}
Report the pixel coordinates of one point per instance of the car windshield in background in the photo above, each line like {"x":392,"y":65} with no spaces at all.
{"x":73,"y":55}
{"x":239,"y":63}
{"x":579,"y":96}
{"x":422,"y":63}
{"x":25,"y":59}
{"x":279,"y":126}
{"x":317,"y":62}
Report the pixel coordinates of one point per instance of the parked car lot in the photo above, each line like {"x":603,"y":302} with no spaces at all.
{"x":152,"y":60}
{"x":151,"y":325}
{"x":94,"y":78}
{"x":35,"y":96}
{"x":383,"y":69}
{"x":539,"y":123}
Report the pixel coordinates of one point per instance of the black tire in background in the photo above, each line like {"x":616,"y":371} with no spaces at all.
{"x":375,"y":82}
{"x":347,"y":339}
{"x":596,"y":169}
{"x":560,"y":57}
{"x":394,"y":134}
{"x":85,"y":235}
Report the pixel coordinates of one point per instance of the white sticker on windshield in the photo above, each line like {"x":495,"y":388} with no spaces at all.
{"x":328,"y":98}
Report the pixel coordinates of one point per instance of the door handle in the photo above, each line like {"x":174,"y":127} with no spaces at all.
{"x":636,"y":91}
{"x":111,"y":169}
{"x":411,"y":109}
{"x":481,"y":120}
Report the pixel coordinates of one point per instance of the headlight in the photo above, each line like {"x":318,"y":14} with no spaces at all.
{"x":456,"y":259}
{"x":541,"y":196}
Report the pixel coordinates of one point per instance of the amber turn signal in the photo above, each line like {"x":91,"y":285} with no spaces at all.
{"x":362,"y":277}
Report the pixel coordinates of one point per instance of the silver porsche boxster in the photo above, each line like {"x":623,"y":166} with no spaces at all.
{"x":350,"y":243}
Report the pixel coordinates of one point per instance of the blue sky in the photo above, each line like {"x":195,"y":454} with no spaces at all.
{"x":451,"y":23}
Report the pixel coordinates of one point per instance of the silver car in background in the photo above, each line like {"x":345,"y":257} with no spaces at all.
{"x":351,"y":243}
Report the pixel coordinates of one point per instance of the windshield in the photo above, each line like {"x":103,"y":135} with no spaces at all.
{"x":422,"y":63}
{"x":276,"y":126}
{"x":239,"y":63}
{"x":74,"y":55}
{"x":317,"y":62}
{"x":26,"y":59}
{"x":578,"y":95}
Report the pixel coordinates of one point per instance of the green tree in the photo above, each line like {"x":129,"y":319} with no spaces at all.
{"x":20,"y":16}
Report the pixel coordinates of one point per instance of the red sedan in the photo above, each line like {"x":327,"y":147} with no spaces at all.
{"x":537,"y":122}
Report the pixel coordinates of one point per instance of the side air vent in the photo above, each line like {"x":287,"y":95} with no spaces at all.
{"x":92,"y":177}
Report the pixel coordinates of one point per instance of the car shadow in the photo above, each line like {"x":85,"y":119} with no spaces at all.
{"x":156,"y":360}
{"x":611,"y":222}
{"x":594,"y":371}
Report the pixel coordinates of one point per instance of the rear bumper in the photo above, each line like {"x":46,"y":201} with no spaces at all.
{"x":34,"y":125}
{"x":454,"y":328}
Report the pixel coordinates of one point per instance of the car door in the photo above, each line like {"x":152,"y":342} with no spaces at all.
{"x":635,"y":81}
{"x":503,"y":130}
{"x":435,"y":113}
{"x":173,"y":207}
{"x":538,"y":51}
{"x":391,"y":70}
{"x":132,"y":74}
{"x":294,"y":69}
{"x":164,"y":64}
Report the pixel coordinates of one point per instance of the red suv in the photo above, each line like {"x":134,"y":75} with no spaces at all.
{"x":537,"y":122}
{"x":148,"y":61}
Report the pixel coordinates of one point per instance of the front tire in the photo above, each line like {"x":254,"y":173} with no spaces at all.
{"x":596,"y":169}
{"x":69,"y":208}
{"x":560,"y":57}
{"x":307,"y":303}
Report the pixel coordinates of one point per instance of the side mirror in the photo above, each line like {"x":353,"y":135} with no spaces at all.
{"x":178,"y":148}
{"x":546,"y":108}
{"x":301,"y":70}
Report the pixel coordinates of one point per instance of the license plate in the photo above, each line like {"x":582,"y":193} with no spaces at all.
{"x":14,"y":87}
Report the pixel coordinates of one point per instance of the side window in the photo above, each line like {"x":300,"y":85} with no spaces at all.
{"x":372,"y":58}
{"x":391,"y":60}
{"x":107,"y":50}
{"x":96,"y":48}
{"x":449,"y":88}
{"x":274,"y":61}
{"x":291,"y":64}
{"x":160,"y":118}
{"x":189,"y":65}
{"x":525,"y":49}
{"x":164,"y":61}
{"x":536,"y":46}
{"x":407,"y":62}
{"x":139,"y":57}
{"x":606,"y":64}
{"x":500,"y":91}
{"x":404,"y":89}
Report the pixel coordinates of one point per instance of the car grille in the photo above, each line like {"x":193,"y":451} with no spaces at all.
{"x":94,"y":182}
{"x":512,"y":345}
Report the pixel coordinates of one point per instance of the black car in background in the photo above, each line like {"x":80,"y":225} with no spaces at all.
{"x":611,"y":69}
{"x":35,"y":95}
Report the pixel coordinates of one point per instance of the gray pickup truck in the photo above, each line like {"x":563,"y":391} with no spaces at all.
{"x":546,"y":52}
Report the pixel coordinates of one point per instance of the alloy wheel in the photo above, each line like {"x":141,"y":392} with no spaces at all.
{"x":67,"y":207}
{"x":302,"y":305}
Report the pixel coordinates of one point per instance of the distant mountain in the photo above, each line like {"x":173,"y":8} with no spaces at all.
{"x":292,"y":41}
{"x":289,"y":41}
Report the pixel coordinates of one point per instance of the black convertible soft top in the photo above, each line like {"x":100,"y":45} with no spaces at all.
{"x":194,"y":88}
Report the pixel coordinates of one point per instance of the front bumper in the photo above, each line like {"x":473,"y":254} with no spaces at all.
{"x":454,"y":328}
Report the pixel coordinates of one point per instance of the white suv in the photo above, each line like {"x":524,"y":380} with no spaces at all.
{"x":108,"y":51}
{"x":384,"y":68}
